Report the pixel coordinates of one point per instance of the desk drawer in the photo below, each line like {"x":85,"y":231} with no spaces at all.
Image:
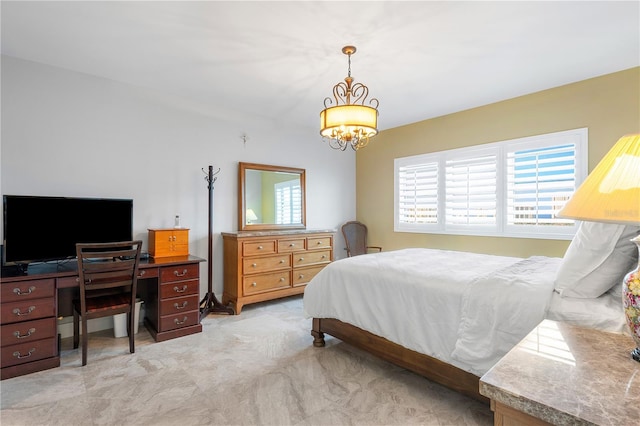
{"x":254,"y":265}
{"x":27,"y":310}
{"x":29,"y":351}
{"x":178,"y":289}
{"x":311,"y":257}
{"x":265,"y":282}
{"x":27,"y":290}
{"x":179,"y":273}
{"x":171,"y":322}
{"x":28,"y":331}
{"x":147,"y":273}
{"x":178,"y":305}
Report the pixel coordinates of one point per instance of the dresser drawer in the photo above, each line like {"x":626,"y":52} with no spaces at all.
{"x":27,"y":290}
{"x":262,"y":264}
{"x":27,"y":310}
{"x":177,"y":289}
{"x":177,"y":305}
{"x":318,"y":242}
{"x":171,"y":322}
{"x":254,"y":248}
{"x":311,"y":257}
{"x":28,"y":331}
{"x":179,"y":273}
{"x":265,"y":282}
{"x":290,"y":245}
{"x":29,"y":351}
{"x":304,"y":275}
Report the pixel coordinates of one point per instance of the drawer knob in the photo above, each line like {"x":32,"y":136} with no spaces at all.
{"x":18,"y":355}
{"x":178,"y":290}
{"x":281,"y":260}
{"x":180,"y":274}
{"x":23,"y":336}
{"x":253,"y":265}
{"x":254,"y":284}
{"x":19,"y":313}
{"x":260,"y":247}
{"x":178,"y":322}
{"x":292,"y":245}
{"x":301,"y":276}
{"x":142,"y":273}
{"x":184,"y":305}
{"x":21,"y":293}
{"x":319,"y":242}
{"x":301,"y":259}
{"x":324,"y":256}
{"x":282,"y":279}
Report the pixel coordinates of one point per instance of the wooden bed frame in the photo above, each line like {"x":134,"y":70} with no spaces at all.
{"x":429,"y":367}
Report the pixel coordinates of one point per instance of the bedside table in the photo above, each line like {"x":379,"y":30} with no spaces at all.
{"x":563,"y":374}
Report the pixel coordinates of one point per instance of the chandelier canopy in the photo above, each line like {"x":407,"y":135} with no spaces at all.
{"x":345,"y":119}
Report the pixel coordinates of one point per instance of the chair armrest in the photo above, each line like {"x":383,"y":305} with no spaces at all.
{"x":374,"y":247}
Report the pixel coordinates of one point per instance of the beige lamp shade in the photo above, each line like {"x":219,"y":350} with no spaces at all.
{"x":611,"y":192}
{"x":349,"y":117}
{"x":251,"y":215}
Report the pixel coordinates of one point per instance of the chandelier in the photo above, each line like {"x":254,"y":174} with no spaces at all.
{"x":349,"y":122}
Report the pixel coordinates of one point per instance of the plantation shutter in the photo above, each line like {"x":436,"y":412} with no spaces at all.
{"x":470,"y":189}
{"x":418,"y":193}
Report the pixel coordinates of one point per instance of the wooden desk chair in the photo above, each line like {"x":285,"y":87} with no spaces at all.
{"x":108,"y":277}
{"x":355,"y":237}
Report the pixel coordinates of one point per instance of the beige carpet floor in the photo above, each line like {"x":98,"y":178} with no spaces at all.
{"x":257,"y":368}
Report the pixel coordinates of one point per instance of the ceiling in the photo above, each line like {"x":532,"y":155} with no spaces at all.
{"x":276,"y":61}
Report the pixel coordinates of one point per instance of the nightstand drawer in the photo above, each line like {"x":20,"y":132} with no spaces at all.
{"x":179,"y":273}
{"x":259,"y":283}
{"x":262,"y":264}
{"x":29,"y":351}
{"x":27,"y":310}
{"x":27,"y":290}
{"x":28,"y":331}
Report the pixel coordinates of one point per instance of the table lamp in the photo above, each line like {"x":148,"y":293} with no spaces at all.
{"x":251,"y":215}
{"x":611,"y":193}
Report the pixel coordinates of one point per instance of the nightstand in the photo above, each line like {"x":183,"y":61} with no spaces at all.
{"x":563,"y":374}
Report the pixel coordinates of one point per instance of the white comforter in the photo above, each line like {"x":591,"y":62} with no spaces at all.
{"x":466,"y":309}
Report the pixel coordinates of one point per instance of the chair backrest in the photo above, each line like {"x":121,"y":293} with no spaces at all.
{"x":355,"y":237}
{"x":108,"y":268}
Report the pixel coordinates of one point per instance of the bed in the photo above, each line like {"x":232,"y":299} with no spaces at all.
{"x":451,"y":315}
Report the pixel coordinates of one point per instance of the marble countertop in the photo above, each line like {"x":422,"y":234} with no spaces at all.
{"x":567,"y":375}
{"x":277,"y":232}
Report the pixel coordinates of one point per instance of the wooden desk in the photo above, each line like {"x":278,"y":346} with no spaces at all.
{"x":32,"y":302}
{"x":565,"y":375}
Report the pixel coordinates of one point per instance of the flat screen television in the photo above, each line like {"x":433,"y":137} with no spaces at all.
{"x":40,"y":229}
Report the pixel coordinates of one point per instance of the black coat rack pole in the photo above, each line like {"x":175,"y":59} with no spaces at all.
{"x":209,"y":303}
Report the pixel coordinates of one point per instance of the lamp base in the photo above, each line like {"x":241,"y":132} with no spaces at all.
{"x":635,"y":354}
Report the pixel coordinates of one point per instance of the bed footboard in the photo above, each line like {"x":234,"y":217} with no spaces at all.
{"x":429,"y":367}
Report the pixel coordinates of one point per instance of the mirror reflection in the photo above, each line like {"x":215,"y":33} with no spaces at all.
{"x":271,"y":197}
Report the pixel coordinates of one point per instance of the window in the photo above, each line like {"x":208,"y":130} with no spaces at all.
{"x":510,"y":188}
{"x":288,"y":202}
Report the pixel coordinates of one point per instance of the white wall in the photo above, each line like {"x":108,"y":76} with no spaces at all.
{"x":71,"y":134}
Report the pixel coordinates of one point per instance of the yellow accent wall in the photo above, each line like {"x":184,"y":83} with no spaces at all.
{"x":609,"y":106}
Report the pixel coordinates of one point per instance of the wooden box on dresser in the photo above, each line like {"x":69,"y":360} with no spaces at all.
{"x":29,"y":325}
{"x":266,"y":265}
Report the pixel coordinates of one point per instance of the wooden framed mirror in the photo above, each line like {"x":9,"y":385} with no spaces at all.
{"x":270,"y":197}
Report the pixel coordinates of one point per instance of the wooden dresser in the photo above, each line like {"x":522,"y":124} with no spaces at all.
{"x":265,"y":265}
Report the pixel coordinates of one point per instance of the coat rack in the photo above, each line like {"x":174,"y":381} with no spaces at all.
{"x":209,"y":303}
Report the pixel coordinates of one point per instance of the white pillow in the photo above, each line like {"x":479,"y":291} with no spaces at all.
{"x":597,"y":259}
